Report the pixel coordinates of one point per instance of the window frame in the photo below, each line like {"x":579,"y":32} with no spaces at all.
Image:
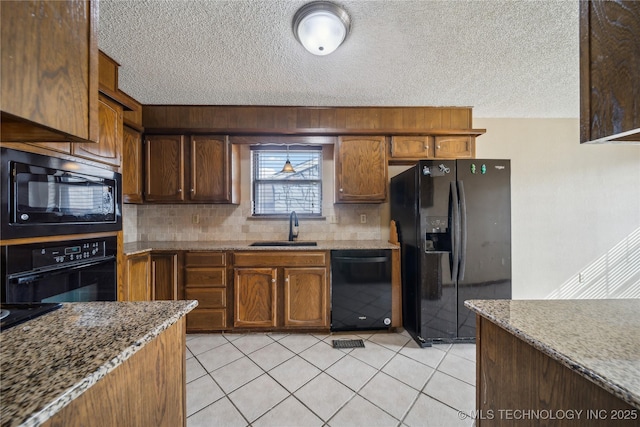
{"x":317,"y":182}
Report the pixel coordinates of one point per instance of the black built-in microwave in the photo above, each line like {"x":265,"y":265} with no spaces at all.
{"x":46,"y":196}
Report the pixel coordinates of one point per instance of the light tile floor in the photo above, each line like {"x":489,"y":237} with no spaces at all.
{"x":301,"y":380}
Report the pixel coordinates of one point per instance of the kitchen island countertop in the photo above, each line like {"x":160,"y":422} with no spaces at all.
{"x":49,"y":361}
{"x":232,"y":245}
{"x":597,"y":339}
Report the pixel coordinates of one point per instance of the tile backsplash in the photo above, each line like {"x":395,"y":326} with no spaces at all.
{"x":233,"y":222}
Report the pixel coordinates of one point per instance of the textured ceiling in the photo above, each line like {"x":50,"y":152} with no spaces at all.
{"x":504,"y":58}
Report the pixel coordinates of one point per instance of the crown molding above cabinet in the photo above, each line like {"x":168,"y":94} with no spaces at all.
{"x":309,"y":121}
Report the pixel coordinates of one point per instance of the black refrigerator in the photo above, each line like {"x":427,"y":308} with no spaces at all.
{"x":454,"y":226}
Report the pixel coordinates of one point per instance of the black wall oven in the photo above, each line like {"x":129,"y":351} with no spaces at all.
{"x":46,"y":196}
{"x":69,"y":271}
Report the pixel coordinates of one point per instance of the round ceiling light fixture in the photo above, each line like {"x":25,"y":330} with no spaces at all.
{"x":321,"y":27}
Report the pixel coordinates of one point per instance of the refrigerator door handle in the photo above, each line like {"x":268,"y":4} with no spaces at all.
{"x":463,"y":230}
{"x":454,"y":230}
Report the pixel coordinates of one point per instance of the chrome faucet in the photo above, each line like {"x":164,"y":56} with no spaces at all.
{"x":293,"y":226}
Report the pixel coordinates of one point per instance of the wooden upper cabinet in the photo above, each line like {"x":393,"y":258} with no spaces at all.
{"x":204,"y":171}
{"x":411,"y":147}
{"x":454,"y":147}
{"x":109,"y":147}
{"x":132,"y":183}
{"x":361,"y":169}
{"x":609,"y":71}
{"x":164,"y":166}
{"x":49,"y":71}
{"x":210,"y":177}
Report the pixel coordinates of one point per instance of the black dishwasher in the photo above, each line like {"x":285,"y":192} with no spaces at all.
{"x":360,"y":289}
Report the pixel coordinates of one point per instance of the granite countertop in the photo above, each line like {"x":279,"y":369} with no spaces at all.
{"x":232,"y":245}
{"x":47,"y":362}
{"x":598,"y":339}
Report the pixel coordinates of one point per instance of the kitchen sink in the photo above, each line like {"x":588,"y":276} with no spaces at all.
{"x":283,"y":243}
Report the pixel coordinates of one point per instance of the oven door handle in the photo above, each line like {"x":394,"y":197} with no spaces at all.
{"x":23,"y":278}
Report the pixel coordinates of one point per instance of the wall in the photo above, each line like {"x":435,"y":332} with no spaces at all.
{"x":575,"y":211}
{"x":572,"y":206}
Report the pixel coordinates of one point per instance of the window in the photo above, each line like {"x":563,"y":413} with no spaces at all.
{"x":278,"y":193}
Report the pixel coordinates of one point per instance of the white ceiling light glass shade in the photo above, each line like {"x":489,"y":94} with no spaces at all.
{"x":321,"y":27}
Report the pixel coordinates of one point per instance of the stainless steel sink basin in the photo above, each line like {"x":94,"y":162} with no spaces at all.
{"x":283,"y":243}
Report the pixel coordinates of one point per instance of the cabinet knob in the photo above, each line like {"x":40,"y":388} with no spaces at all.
{"x":192,"y":190}
{"x":426,"y":147}
{"x":179,"y":190}
{"x":273,"y":280}
{"x":341,"y":190}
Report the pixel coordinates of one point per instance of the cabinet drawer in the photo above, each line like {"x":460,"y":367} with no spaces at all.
{"x":206,"y":320}
{"x":205,"y":277}
{"x":205,"y":259}
{"x":208,"y":298}
{"x":280,"y":259}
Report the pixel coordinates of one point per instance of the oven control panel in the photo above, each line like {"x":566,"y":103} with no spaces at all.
{"x":55,"y":255}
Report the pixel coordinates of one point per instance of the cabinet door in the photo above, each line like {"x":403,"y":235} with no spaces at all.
{"x":164,"y":165}
{"x":137,"y":277}
{"x":306,"y":295}
{"x":210,"y":175}
{"x":164,"y":276}
{"x":131,"y":166}
{"x":454,"y":147}
{"x":609,"y":76}
{"x":411,"y":147}
{"x":255,"y":297}
{"x":361,"y":169}
{"x":109,"y":147}
{"x":49,"y":70}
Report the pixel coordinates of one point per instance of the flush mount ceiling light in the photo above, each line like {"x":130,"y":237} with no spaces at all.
{"x":321,"y":27}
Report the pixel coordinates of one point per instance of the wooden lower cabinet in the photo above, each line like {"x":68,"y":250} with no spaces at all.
{"x":306,"y":297}
{"x":256,"y":297}
{"x":512,"y":375}
{"x":137,"y":283}
{"x":205,"y":280}
{"x":165,"y":284}
{"x":148,"y":389}
{"x":281,"y":290}
{"x":151,"y":276}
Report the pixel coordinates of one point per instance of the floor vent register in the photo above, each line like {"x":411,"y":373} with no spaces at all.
{"x":348,"y":344}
